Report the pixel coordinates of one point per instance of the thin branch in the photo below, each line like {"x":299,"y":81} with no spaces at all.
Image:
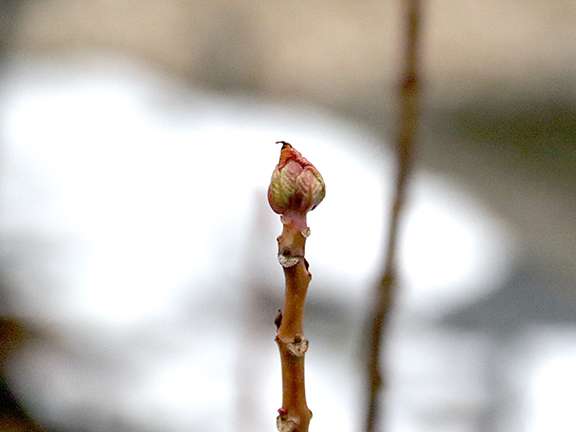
{"x":295,"y":189}
{"x":294,"y":416}
{"x":407,"y":131}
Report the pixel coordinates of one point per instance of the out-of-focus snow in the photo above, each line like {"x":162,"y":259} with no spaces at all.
{"x":128,"y":204}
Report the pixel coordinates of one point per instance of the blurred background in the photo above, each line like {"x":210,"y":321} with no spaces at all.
{"x":138,"y":273}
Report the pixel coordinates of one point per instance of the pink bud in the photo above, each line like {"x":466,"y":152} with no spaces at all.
{"x":296,"y":186}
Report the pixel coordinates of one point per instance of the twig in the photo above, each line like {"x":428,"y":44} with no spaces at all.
{"x":296,"y":188}
{"x":407,"y":130}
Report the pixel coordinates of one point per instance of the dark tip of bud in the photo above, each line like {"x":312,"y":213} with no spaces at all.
{"x":284,"y":144}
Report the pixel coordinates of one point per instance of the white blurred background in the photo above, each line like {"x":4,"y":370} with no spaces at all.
{"x":138,"y":269}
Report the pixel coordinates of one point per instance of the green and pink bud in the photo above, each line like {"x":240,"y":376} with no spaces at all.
{"x":296,"y":186}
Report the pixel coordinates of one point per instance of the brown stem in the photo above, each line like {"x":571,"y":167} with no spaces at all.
{"x":407,"y":130}
{"x":294,"y":416}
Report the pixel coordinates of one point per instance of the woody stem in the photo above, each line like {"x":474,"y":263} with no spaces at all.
{"x":294,"y":416}
{"x":379,"y":315}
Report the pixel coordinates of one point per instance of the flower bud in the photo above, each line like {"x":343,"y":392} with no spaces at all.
{"x":296,"y":186}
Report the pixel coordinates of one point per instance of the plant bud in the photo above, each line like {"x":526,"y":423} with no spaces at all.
{"x":296,"y":186}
